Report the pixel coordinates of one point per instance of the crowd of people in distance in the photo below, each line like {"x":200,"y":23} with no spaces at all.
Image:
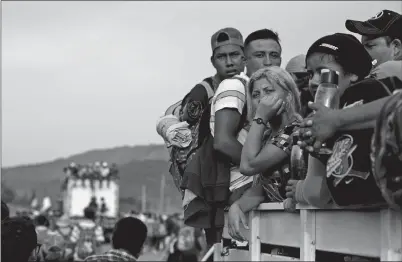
{"x":98,"y":171}
{"x":44,"y":237}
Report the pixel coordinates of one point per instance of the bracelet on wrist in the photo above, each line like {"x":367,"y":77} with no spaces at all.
{"x":260,"y":121}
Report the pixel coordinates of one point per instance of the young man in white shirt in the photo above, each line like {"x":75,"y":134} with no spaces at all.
{"x":228,"y":114}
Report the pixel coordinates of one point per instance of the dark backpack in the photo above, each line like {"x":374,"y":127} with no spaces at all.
{"x":179,"y":156}
{"x":206,"y":83}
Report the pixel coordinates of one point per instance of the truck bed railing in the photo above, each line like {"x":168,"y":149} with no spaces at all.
{"x":369,"y":232}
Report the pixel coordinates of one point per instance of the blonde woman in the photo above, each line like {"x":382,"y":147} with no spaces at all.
{"x":273,"y":110}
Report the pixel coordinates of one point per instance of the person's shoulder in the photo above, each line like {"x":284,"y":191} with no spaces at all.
{"x":365,"y":91}
{"x":236,"y":83}
{"x":198,"y":92}
{"x":388,"y":69}
{"x":206,"y":81}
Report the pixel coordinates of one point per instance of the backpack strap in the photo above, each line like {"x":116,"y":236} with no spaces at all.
{"x":389,"y":92}
{"x":208,"y":88}
{"x":175,"y":108}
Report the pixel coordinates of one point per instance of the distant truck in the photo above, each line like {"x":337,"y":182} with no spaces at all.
{"x":79,"y":189}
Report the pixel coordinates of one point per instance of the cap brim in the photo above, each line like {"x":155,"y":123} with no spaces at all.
{"x":362,"y":28}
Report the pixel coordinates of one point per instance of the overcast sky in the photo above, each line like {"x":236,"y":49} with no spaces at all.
{"x":83,"y":75}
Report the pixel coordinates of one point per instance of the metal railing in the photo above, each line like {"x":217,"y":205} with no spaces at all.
{"x":369,"y":232}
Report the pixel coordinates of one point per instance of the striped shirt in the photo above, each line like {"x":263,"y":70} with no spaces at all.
{"x":231,"y":93}
{"x":113,"y":255}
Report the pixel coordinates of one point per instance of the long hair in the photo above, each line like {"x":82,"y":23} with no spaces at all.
{"x":278,"y":76}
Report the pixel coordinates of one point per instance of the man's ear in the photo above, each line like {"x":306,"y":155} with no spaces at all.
{"x":212,"y":61}
{"x":353,"y":78}
{"x":397,"y":48}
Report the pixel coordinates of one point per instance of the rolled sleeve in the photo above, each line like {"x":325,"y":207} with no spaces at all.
{"x":230,"y":94}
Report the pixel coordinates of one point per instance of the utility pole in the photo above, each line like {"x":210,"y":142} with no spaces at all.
{"x":144,"y":199}
{"x":162,"y":195}
{"x":168,"y":203}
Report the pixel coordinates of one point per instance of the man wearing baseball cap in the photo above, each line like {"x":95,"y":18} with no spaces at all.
{"x":228,"y":60}
{"x":351,"y":126}
{"x":382,"y":38}
{"x":227,"y":122}
{"x":296,"y":67}
{"x":227,"y":52}
{"x":229,"y":110}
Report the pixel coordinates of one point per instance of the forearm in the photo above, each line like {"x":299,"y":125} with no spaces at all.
{"x":251,"y":199}
{"x":360,"y":117}
{"x":252,"y":146}
{"x":231,"y":148}
{"x":299,"y":196}
{"x":315,"y":190}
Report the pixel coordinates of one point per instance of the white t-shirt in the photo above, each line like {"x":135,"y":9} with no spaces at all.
{"x":231,"y":93}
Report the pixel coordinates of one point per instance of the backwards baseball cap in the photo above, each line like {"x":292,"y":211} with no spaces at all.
{"x":226,"y":36}
{"x":350,"y":53}
{"x":385,"y":23}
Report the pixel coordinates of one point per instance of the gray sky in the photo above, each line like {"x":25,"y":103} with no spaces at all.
{"x":84,"y":75}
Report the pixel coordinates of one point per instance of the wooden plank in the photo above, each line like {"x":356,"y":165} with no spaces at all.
{"x":280,"y":228}
{"x":307,"y":235}
{"x":237,"y":255}
{"x":209,"y":253}
{"x":254,"y":240}
{"x":364,"y":232}
{"x":349,"y":232}
{"x":335,"y":207}
{"x":218,"y":252}
{"x":270,"y":206}
{"x":269,"y":257}
{"x":391,"y":235}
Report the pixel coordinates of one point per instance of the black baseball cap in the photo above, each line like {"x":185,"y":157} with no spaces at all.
{"x":351,"y":54}
{"x":384,"y":23}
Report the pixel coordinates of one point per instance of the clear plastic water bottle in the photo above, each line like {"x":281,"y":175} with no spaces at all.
{"x":327,"y":92}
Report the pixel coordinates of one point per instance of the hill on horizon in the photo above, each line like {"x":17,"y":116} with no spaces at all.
{"x":138,"y":165}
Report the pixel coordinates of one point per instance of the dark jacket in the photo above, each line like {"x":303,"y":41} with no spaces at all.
{"x":207,"y":176}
